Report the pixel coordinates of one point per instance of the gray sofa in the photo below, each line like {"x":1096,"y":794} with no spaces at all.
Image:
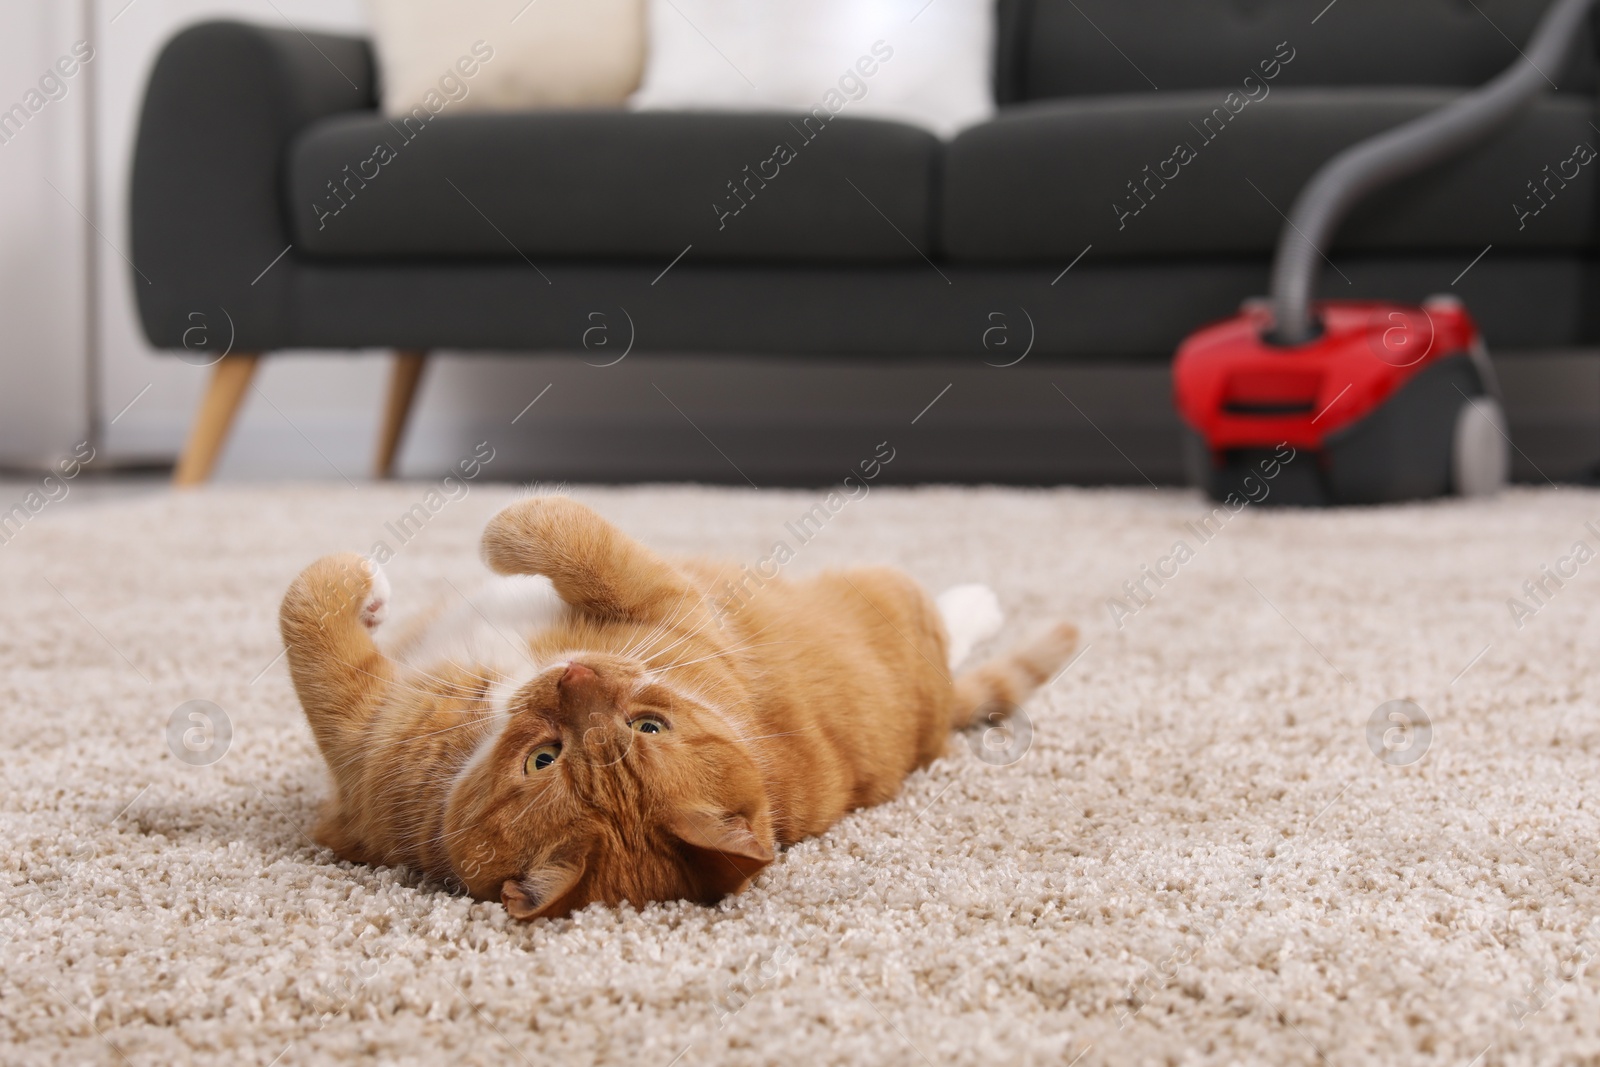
{"x":1151,"y":147}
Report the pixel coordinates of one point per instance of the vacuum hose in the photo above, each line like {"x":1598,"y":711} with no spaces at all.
{"x":1407,"y":148}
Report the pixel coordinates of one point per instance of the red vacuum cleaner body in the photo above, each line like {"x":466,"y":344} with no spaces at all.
{"x":1388,"y":402}
{"x":1378,"y":401}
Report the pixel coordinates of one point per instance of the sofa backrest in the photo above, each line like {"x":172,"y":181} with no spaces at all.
{"x":1054,"y":48}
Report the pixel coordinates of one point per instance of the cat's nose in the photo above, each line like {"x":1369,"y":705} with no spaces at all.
{"x":585,"y":703}
{"x":576,"y":676}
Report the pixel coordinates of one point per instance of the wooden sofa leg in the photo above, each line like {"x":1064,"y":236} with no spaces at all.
{"x":403,"y":382}
{"x":229,"y":380}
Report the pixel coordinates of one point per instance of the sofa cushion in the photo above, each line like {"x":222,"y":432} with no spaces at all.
{"x":1180,"y":173}
{"x":614,"y":185}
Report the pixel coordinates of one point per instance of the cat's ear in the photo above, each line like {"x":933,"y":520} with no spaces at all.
{"x":541,"y":889}
{"x":725,"y":842}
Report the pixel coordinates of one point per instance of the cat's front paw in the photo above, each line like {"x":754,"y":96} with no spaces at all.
{"x":523,"y":537}
{"x":337,"y":588}
{"x":375,"y":607}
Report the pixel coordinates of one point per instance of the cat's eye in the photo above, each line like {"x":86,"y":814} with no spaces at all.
{"x":540,"y":758}
{"x":648,"y":724}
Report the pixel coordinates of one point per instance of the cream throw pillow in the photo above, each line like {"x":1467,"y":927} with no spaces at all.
{"x":506,"y":55}
{"x":926,"y":62}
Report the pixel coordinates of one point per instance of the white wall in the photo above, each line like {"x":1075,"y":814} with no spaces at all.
{"x":332,"y":399}
{"x":44,"y":385}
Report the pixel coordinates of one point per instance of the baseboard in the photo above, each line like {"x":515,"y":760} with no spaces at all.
{"x":794,"y":423}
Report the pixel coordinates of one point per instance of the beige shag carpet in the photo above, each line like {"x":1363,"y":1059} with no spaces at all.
{"x":1198,"y":859}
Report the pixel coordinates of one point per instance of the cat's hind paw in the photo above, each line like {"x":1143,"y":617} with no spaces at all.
{"x":971,"y":615}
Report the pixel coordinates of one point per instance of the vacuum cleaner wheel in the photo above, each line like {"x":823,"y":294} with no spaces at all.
{"x":1405,"y":449}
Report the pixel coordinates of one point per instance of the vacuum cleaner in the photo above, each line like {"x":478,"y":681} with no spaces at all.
{"x":1354,"y":401}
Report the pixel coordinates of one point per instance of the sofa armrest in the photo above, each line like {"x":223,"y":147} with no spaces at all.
{"x":207,"y":211}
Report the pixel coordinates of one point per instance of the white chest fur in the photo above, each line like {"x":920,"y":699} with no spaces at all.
{"x":490,"y":627}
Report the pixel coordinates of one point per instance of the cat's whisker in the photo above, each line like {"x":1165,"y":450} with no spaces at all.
{"x":396,"y":746}
{"x":788,"y":616}
{"x":397,"y":761}
{"x":640,"y":636}
{"x":685,"y":605}
{"x":697,"y":631}
{"x":408,"y":739}
{"x":469,"y":696}
{"x":688,"y":636}
{"x":716,"y":655}
{"x":763,"y":737}
{"x":441,"y":689}
{"x":527,"y":808}
{"x":437,"y":687}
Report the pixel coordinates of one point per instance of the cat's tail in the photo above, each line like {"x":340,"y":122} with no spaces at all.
{"x":1001,"y":684}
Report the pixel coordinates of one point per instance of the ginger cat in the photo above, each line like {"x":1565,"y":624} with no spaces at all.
{"x":588,"y":729}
